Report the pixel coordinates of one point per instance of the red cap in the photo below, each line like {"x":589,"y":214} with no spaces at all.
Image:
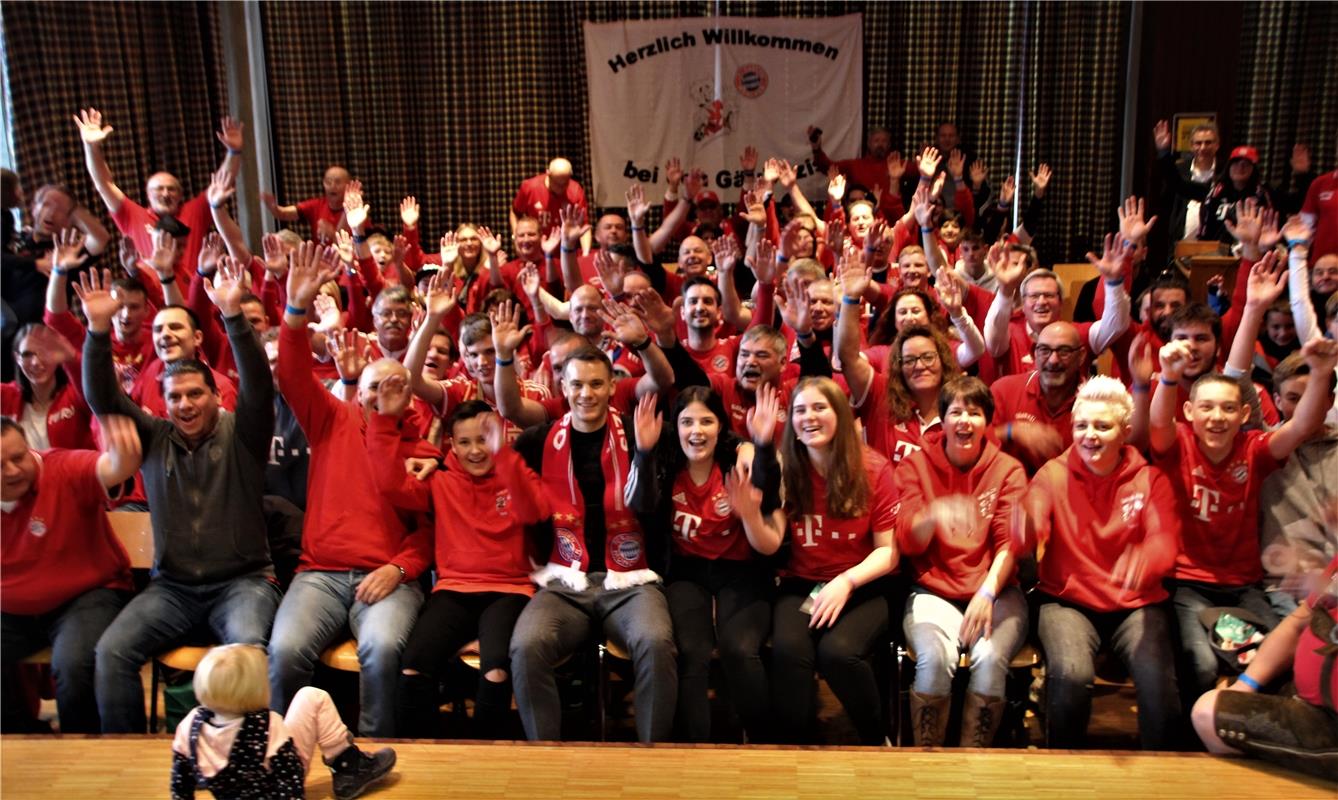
{"x":1246,"y":152}
{"x":707,"y":197}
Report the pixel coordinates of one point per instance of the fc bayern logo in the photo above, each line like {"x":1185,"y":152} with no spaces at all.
{"x":626,"y":550}
{"x":751,"y":80}
{"x":719,"y":363}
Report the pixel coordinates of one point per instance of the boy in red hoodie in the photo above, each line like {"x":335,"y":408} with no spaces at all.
{"x":482,"y":499}
{"x":954,"y":523}
{"x":1107,"y":532}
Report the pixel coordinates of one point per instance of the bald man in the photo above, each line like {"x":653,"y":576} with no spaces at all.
{"x":544,"y":195}
{"x":1033,"y":410}
{"x":325,"y":214}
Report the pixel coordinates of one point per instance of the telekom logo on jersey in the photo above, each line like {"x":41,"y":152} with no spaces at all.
{"x":811,"y":531}
{"x":1205,"y":502}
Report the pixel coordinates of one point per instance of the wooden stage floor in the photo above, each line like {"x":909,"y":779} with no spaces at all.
{"x":137,"y":766}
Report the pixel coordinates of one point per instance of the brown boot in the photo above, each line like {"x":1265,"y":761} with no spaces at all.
{"x":929,"y":718}
{"x":981,"y":715}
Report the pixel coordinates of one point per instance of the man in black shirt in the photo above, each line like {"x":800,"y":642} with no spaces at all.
{"x":598,"y":571}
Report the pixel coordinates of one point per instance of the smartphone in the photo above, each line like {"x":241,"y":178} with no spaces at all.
{"x":806,"y":607}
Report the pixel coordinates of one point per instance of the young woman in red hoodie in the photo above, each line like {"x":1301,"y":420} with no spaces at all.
{"x":957,"y":497}
{"x":482,"y":500}
{"x":831,"y":611}
{"x":1107,"y":531}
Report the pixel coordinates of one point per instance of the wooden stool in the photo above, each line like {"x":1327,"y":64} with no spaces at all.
{"x":186,"y":659}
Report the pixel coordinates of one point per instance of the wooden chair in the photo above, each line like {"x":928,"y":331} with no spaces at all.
{"x":1071,"y":279}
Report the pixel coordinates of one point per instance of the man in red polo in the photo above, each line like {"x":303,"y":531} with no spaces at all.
{"x":543,"y":195}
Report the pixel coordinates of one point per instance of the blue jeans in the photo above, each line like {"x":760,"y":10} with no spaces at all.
{"x":1199,"y":664}
{"x":1143,"y":640}
{"x":239,"y":611}
{"x":72,"y":631}
{"x":316,"y":609}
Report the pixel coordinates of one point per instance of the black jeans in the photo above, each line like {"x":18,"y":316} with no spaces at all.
{"x":742,"y":592}
{"x":72,"y":631}
{"x":448,"y":621}
{"x":843,"y":654}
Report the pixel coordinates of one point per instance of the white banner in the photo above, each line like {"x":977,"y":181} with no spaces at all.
{"x":704,"y":88}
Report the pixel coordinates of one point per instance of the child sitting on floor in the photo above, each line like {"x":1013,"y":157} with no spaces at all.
{"x":234,"y":746}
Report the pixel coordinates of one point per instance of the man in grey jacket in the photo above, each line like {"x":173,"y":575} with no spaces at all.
{"x":204,"y":474}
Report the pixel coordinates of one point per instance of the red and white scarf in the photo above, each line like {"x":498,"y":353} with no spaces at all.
{"x":624,"y":544}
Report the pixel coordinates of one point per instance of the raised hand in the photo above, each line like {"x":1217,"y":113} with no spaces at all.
{"x":896,"y":167}
{"x":355,"y":210}
{"x":929,"y":161}
{"x":328,"y":316}
{"x":344,"y":246}
{"x":528,"y":277}
{"x":89,"y":123}
{"x":1006,"y":190}
{"x":222,"y":185}
{"x":442,"y":294}
{"x":765,"y":267}
{"x":128,"y":256}
{"x":835,"y":237}
{"x":673,"y":173}
{"x":756,"y":210}
{"x":351,"y":351}
{"x":855,"y":274}
{"x":308,"y":270}
{"x":230,"y":134}
{"x":922,"y":208}
{"x":611,"y":271}
{"x":694,"y":183}
{"x":94,"y":293}
{"x":744,"y":497}
{"x":949,"y":291}
{"x":793,"y":305}
{"x":636,"y":204}
{"x":1116,"y":256}
{"x":226,"y":289}
{"x":1267,"y":281}
{"x":1041,"y":179}
{"x":1161,"y":135}
{"x":491,"y":244}
{"x":409,"y":211}
{"x":1249,"y":222}
{"x":789,"y":243}
{"x":1321,"y":355}
{"x":748,"y":159}
{"x":211,"y":250}
{"x":574,"y":225}
{"x":392,"y":394}
{"x":1131,"y":213}
{"x":1174,"y":357}
{"x":978,"y":173}
{"x":1296,"y":229}
{"x":448,"y":249}
{"x":956,"y":164}
{"x":507,"y":334}
{"x":764,"y":416}
{"x":655,"y":313}
{"x":647,"y":422}
{"x":120,"y":441}
{"x":771,"y":171}
{"x":69,"y":248}
{"x":551,"y":242}
{"x":164,"y":256}
{"x":624,"y":322}
{"x":1142,"y":360}
{"x":836,"y":187}
{"x":1007,"y":270}
{"x":726,"y":252}
{"x":786,"y":175}
{"x":1269,"y":235}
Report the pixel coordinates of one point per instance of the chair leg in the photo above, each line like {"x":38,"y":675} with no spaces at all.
{"x":153,"y":695}
{"x":601,"y":692}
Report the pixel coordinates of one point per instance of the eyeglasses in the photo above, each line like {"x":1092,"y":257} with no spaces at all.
{"x":923,"y":360}
{"x":1051,"y":296}
{"x":394,"y":313}
{"x":1065,"y":353}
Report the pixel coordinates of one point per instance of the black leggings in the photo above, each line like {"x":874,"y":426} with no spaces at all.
{"x":742,"y":619}
{"x":450,"y":620}
{"x":843,"y":654}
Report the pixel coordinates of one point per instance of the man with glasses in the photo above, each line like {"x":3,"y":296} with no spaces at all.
{"x":392,"y":317}
{"x":1034,"y":402}
{"x":1010,"y":341}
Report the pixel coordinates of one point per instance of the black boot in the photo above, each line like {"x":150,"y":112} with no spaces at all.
{"x":355,"y":770}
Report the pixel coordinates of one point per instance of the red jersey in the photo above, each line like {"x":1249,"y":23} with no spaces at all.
{"x":57,"y":542}
{"x":534,"y":199}
{"x":128,"y":359}
{"x":464,"y":388}
{"x":718,"y":360}
{"x":704,"y":524}
{"x":1020,"y":359}
{"x":1321,"y":200}
{"x":1088,"y":521}
{"x":133,"y":221}
{"x":895,"y":439}
{"x":69,"y":422}
{"x":739,"y":401}
{"x":954,"y":567}
{"x":479,"y":536}
{"x":1220,"y":506}
{"x":823,"y":546}
{"x":1018,"y":398}
{"x":317,"y":211}
{"x":348,"y":525}
{"x":148,"y":390}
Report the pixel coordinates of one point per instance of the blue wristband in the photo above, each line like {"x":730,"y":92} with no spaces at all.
{"x":926,"y":230}
{"x":1248,"y":681}
{"x":348,"y":382}
{"x":1294,"y":242}
{"x":851,"y":301}
{"x":288,"y":308}
{"x":359,"y":239}
{"x":232,"y":152}
{"x":58,"y":272}
{"x":169,"y":279}
{"x":987,"y":593}
{"x":1164,"y":382}
{"x":1136,"y":389}
{"x":783,"y":259}
{"x":503,"y":362}
{"x":1008,"y":432}
{"x":1116,"y":282}
{"x":567,"y":249}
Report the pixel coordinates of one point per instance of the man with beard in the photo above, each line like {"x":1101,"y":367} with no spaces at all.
{"x":1168,"y":294}
{"x":1033,"y":411}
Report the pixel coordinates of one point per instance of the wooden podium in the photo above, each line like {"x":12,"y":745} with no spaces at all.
{"x":1202,"y":261}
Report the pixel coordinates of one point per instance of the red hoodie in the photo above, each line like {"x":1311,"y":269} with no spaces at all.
{"x":480,"y":522}
{"x":1085,"y":522}
{"x":349,"y":524}
{"x":955,"y":567}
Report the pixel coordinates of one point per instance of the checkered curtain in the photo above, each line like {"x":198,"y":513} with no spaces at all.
{"x":1286,"y":90}
{"x":154,"y":70}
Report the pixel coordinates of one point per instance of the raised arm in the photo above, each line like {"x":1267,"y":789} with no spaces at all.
{"x":164,"y":263}
{"x":855,"y":278}
{"x":673,"y":173}
{"x":1116,"y":257}
{"x":629,"y":329}
{"x":255,"y":384}
{"x":98,"y":238}
{"x":574,"y":227}
{"x":1322,"y":356}
{"x":507,"y":336}
{"x":282,"y":213}
{"x":1297,"y":234}
{"x":94,"y":134}
{"x":65,"y":257}
{"x":442,"y":297}
{"x":102,"y":389}
{"x":222,"y":185}
{"x":951,"y":287}
{"x":1265,"y":283}
{"x":1142,"y":367}
{"x":121,"y":451}
{"x":1009,"y":273}
{"x":1165,"y":396}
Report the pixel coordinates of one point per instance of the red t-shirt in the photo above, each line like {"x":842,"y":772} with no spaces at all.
{"x":148,"y":390}
{"x":1220,"y":507}
{"x":823,"y":546}
{"x":1020,"y":359}
{"x":895,"y":439}
{"x":955,"y":566}
{"x":463,"y":388}
{"x":718,"y":360}
{"x":623,"y":401}
{"x":738,"y":402}
{"x":1018,"y":398}
{"x":704,"y":523}
{"x":132,"y":218}
{"x":1322,"y":201}
{"x":317,"y":210}
{"x":57,"y":542}
{"x":69,"y":422}
{"x":533,"y":199}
